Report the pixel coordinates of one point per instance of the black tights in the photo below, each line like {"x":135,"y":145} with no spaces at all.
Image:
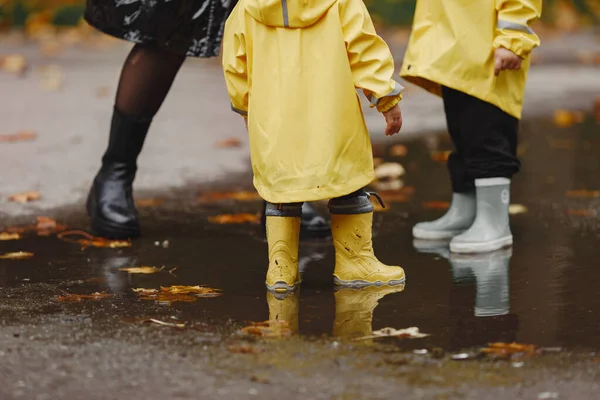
{"x":146,"y":79}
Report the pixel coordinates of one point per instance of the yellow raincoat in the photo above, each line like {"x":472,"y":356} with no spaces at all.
{"x":453,"y":42}
{"x":292,"y":67}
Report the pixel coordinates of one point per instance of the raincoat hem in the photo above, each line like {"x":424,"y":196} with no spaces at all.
{"x":241,"y":112}
{"x":316,"y":194}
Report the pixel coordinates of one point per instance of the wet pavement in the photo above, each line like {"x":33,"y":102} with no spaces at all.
{"x":544,"y":291}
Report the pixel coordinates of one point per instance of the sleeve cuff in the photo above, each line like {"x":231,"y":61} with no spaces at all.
{"x":387,"y":103}
{"x":397,"y":90}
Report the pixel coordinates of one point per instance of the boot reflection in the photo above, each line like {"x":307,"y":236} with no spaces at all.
{"x":117,"y":282}
{"x":354,"y":310}
{"x":438,"y":247}
{"x":284,"y":307}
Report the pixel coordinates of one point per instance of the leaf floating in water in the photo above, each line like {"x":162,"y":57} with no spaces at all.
{"x":142,"y":270}
{"x":581,"y":213}
{"x":92,"y":241}
{"x":268,"y":329}
{"x":239,"y":196}
{"x":439,"y":205}
{"x":46,"y":226}
{"x":171,"y":324}
{"x":76,"y":298}
{"x":235,"y":219}
{"x":199,"y":291}
{"x":508,"y":349}
{"x":144,"y":291}
{"x":25,"y":197}
{"x":18,"y":255}
{"x":583,"y":193}
{"x":9,"y":236}
{"x":408,"y":333}
{"x":23,"y":136}
{"x":515,"y":209}
{"x":172,"y":294}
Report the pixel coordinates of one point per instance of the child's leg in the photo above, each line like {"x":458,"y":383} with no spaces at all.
{"x":491,"y":160}
{"x":355,"y":262}
{"x":461,"y":214}
{"x":283,"y":231}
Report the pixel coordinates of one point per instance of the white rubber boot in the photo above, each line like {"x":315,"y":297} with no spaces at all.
{"x":490,"y":230}
{"x":458,"y":218}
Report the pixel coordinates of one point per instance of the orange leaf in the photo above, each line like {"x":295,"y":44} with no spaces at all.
{"x":76,"y":298}
{"x":240,"y":196}
{"x":22,"y":136}
{"x":14,"y":63}
{"x":398,"y":150}
{"x":91,"y":241}
{"x":199,"y":291}
{"x":18,"y":255}
{"x":440,"y":156}
{"x":583,"y":193}
{"x":229,"y":143}
{"x":580,"y":213}
{"x":441,"y":205}
{"x":25,"y":197}
{"x":149,"y":202}
{"x":269,"y":329}
{"x":142,"y":270}
{"x":9,"y":236}
{"x":46,"y":226}
{"x":235,"y":219}
{"x":507,"y":349}
{"x":567,"y":118}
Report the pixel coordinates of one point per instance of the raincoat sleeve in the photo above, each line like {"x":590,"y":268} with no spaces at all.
{"x":513,"y":30}
{"x":235,"y":66}
{"x":370,"y":58}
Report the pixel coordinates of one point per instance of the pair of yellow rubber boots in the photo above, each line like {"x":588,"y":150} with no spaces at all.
{"x":355,"y":262}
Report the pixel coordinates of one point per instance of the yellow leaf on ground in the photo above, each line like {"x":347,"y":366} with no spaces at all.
{"x":515,"y":209}
{"x":9,"y":236}
{"x":87,"y":240}
{"x":235,"y":219}
{"x":507,"y":349}
{"x":171,"y":324}
{"x":200,"y":291}
{"x":268,"y":329}
{"x":14,"y":63}
{"x":17,"y":255}
{"x":141,"y":270}
{"x":76,"y":298}
{"x":567,"y":118}
{"x":25,"y":197}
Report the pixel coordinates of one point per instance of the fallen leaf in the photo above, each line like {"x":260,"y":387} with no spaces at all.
{"x":102,"y":91}
{"x":235,"y":219}
{"x":515,"y":209}
{"x":22,"y":136}
{"x":46,"y":226}
{"x":239,"y":196}
{"x":583,"y":193}
{"x":244,"y":349}
{"x":149,"y":202}
{"x":171,"y":324}
{"x":76,"y":298}
{"x":141,"y":270}
{"x":398,"y":150}
{"x":14,"y":63}
{"x":199,"y":291}
{"x":580,"y":213}
{"x":52,"y":78}
{"x":145,"y":291}
{"x":408,"y":333}
{"x":441,"y":156}
{"x":508,"y":349}
{"x":229,"y":143}
{"x":92,"y":241}
{"x":172,"y":294}
{"x":389,"y":171}
{"x":18,"y":255}
{"x":25,"y":197}
{"x":268,"y":329}
{"x":9,"y":236}
{"x":567,"y":118}
{"x":440,"y":205}
{"x":169,"y":298}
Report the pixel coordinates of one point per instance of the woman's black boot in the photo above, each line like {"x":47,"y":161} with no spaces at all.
{"x":110,"y":203}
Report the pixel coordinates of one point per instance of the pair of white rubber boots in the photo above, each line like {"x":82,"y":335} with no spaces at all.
{"x":476,"y":222}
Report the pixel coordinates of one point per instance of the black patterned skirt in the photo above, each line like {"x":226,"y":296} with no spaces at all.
{"x":190,"y":27}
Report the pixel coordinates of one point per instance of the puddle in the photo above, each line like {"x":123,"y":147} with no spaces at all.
{"x":543,"y":291}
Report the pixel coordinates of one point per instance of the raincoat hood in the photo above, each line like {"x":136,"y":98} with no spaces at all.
{"x":287,"y":13}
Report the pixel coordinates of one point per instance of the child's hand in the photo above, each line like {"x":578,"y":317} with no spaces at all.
{"x":505,"y":59}
{"x":393,"y":117}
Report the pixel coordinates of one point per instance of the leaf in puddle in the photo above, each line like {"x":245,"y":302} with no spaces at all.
{"x":142,"y":270}
{"x":22,"y":136}
{"x":567,"y":118}
{"x":169,"y":298}
{"x":229,"y":143}
{"x":142,"y":291}
{"x":17,"y":255}
{"x":408,"y":333}
{"x":441,"y":156}
{"x":508,"y":349}
{"x":88,"y":240}
{"x":515,"y":209}
{"x":25,"y":197}
{"x":581,"y":213}
{"x":76,"y":298}
{"x":159,"y":322}
{"x":199,"y":291}
{"x":583,"y":193}
{"x":398,"y":150}
{"x":239,"y":196}
{"x":268,"y":329}
{"x":149,"y":202}
{"x":235,"y":219}
{"x":46,"y":226}
{"x":9,"y":236}
{"x":438,"y":205}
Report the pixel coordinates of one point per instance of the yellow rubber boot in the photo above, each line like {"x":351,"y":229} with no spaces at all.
{"x":354,"y":310}
{"x":283,"y":236}
{"x":355,"y":262}
{"x":283,"y":312}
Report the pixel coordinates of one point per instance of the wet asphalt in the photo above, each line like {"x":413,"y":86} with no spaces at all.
{"x":543,"y":291}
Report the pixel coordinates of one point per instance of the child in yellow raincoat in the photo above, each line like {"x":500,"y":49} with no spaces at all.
{"x":475,"y":55}
{"x":292,"y":69}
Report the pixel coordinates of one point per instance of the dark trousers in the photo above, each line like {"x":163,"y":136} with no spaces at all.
{"x":484,"y":137}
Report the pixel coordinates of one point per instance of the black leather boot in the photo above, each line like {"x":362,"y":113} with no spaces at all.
{"x":312,"y":225}
{"x":110,"y":203}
